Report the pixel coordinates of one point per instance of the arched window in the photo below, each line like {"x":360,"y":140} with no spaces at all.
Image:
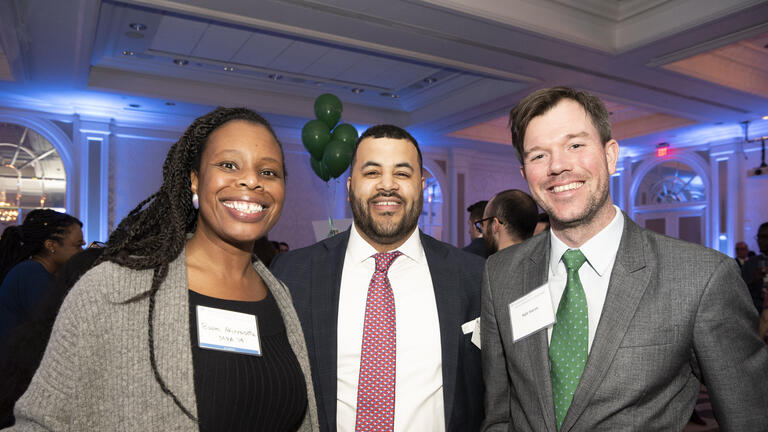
{"x":431,"y":219}
{"x":670,"y":197}
{"x":32,"y":174}
{"x":671,"y":182}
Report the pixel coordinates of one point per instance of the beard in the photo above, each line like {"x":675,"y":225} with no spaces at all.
{"x":387,"y":231}
{"x":593,"y":206}
{"x":491,"y":247}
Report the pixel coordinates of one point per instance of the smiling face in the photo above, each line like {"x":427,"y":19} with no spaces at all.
{"x":385,"y":191}
{"x":240,"y":183}
{"x":568,"y":168}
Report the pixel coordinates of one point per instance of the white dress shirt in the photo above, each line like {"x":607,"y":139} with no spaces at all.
{"x":419,"y":370}
{"x":595,"y":274}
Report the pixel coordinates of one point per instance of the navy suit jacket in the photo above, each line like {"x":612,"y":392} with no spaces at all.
{"x":313,"y":275}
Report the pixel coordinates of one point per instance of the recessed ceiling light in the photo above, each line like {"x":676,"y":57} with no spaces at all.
{"x":134,"y":105}
{"x":229,"y":68}
{"x":275,"y":76}
{"x":357,"y":90}
{"x":395,"y":96}
{"x":430,"y":80}
{"x":137,"y":26}
{"x":181,"y":62}
{"x":765,"y":117}
{"x":128,"y":53}
{"x":386,"y":94}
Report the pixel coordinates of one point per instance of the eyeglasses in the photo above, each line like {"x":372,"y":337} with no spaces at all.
{"x":479,"y":223}
{"x":96,"y":244}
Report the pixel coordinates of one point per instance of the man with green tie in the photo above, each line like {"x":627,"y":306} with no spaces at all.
{"x":601,"y":324}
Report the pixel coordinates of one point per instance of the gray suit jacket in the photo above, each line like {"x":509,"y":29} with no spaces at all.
{"x":676,"y":315}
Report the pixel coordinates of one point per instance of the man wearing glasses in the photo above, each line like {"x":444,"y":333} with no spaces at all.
{"x":510,"y":218}
{"x":476,"y":246}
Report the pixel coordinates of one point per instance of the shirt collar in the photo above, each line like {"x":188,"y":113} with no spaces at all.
{"x":600,"y":250}
{"x":360,"y":250}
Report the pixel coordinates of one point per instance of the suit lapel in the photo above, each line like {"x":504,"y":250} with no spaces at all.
{"x":629,"y":279}
{"x":535,"y":274}
{"x":326,"y":284}
{"x":444,"y":278}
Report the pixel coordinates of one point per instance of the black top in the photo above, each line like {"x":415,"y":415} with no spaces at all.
{"x":238,"y":392}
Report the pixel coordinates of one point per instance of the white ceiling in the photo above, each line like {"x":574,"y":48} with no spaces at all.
{"x":437,"y":67}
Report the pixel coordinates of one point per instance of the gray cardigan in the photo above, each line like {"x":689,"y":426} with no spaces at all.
{"x":96,"y":373}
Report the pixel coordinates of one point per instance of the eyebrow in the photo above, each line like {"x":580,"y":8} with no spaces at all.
{"x":582,"y":134}
{"x":227,"y":152}
{"x":378,"y":165}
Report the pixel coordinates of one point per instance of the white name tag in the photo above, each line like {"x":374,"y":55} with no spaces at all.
{"x":531,"y":313}
{"x":225,"y":330}
{"x":474,"y":328}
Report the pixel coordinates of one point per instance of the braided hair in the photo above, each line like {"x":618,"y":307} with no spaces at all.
{"x":22,"y":242}
{"x":154,"y":233}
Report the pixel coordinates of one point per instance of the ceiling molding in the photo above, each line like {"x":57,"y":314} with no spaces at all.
{"x":708,"y":45}
{"x":252,"y":22}
{"x":605,"y":25}
{"x":208,"y":93}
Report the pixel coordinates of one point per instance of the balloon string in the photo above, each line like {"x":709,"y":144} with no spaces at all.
{"x":331,"y":189}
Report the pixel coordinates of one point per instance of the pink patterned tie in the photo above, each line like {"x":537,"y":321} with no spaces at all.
{"x":376,"y":386}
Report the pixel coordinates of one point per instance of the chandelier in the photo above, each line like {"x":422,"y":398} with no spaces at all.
{"x":8,"y":213}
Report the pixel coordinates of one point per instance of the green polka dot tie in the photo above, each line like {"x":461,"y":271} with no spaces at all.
{"x":568,"y":347}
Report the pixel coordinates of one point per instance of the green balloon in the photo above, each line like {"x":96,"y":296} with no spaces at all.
{"x":328,"y":109}
{"x":320,"y":169}
{"x":315,"y":135}
{"x":345,"y":133}
{"x":336,"y":157}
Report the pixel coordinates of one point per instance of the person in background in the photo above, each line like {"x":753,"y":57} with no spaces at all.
{"x":600,"y":324}
{"x":475,"y":221}
{"x":178,"y":328}
{"x":284,"y":247}
{"x":26,"y":343}
{"x":30,"y":254}
{"x":742,"y":253}
{"x":389,"y":311}
{"x":510,"y":218}
{"x":543,"y":223}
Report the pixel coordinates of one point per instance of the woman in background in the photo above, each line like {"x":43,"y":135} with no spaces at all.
{"x":30,"y":254}
{"x":26,"y":343}
{"x":178,"y":329}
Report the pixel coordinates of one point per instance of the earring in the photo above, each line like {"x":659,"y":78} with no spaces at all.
{"x":53,"y":252}
{"x":195,"y":201}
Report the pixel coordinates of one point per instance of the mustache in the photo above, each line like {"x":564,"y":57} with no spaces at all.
{"x":386,"y":195}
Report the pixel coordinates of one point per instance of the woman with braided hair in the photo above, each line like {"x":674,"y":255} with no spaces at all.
{"x":179,"y":328}
{"x":30,"y":254}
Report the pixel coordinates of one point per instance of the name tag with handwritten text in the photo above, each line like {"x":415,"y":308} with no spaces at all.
{"x":531,"y":313}
{"x":224,"y":330}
